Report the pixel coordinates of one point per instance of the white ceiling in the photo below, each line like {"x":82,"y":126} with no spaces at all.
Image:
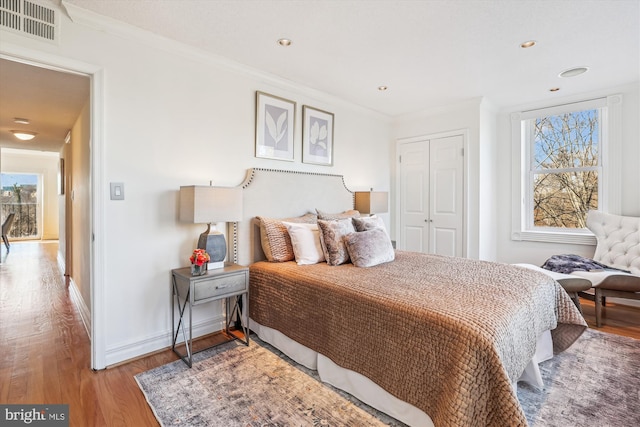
{"x":429,"y":53}
{"x":51,"y":100}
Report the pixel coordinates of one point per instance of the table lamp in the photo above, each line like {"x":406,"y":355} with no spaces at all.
{"x":201,"y":204}
{"x":372,"y":202}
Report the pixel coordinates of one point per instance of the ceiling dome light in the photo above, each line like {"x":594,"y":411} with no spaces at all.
{"x":23,"y":135}
{"x":528,"y":44}
{"x":382,"y":88}
{"x":572,"y":72}
{"x":284,"y":42}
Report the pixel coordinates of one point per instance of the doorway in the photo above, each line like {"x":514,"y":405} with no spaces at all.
{"x":77,"y":146}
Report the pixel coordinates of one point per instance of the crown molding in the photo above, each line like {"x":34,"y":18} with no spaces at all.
{"x":121,"y":29}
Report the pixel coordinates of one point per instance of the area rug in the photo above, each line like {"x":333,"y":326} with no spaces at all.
{"x":235,"y":385}
{"x":595,"y":382}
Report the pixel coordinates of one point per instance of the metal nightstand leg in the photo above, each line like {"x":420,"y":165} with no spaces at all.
{"x":232,"y":308}
{"x":188,"y":358}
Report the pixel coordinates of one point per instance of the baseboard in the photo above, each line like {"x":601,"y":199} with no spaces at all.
{"x":85,"y":313}
{"x":76,"y":297}
{"x":62,"y":265}
{"x":135,"y":350}
{"x":623,"y":301}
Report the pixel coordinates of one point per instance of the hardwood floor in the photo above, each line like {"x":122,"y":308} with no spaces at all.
{"x":45,"y":355}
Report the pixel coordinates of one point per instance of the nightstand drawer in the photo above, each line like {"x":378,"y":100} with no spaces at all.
{"x":220,"y":286}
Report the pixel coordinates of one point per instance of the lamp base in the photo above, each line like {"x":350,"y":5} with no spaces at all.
{"x":215,"y":265}
{"x":213,"y":241}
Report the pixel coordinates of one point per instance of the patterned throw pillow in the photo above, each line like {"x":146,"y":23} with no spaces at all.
{"x":275,"y":239}
{"x":332,"y":235}
{"x":369,"y":248}
{"x":369,"y":223}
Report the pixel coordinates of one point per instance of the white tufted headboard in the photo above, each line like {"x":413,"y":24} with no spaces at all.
{"x":618,"y":240}
{"x":274,"y":193}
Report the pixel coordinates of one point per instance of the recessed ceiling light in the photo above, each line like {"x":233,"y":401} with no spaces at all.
{"x":554,"y":89}
{"x":23,"y":134}
{"x":284,"y":42}
{"x":572,"y":72}
{"x":382,"y":88}
{"x":21,"y":121}
{"x":528,"y":44}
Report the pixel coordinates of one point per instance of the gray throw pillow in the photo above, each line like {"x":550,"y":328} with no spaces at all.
{"x":332,"y":235}
{"x":369,"y":248}
{"x":365,"y":223}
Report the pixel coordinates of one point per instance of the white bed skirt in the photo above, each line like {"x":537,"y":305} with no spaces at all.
{"x":369,"y":392}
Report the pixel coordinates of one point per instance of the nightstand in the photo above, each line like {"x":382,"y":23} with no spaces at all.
{"x":230,"y":283}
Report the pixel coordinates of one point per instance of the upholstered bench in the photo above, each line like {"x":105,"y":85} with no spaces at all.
{"x":618,"y":246}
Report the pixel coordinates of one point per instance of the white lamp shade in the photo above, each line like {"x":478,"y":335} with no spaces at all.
{"x":201,"y":204}
{"x":370,"y":202}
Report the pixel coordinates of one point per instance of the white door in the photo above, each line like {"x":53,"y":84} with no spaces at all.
{"x":414,"y":196}
{"x":431,"y":196}
{"x":446,"y":196}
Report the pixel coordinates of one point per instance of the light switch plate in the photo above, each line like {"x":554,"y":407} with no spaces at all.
{"x":117,"y":191}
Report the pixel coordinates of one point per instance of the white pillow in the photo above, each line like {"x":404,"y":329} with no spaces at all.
{"x":305,"y":239}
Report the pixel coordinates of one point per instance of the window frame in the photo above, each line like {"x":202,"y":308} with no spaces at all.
{"x":609,"y":174}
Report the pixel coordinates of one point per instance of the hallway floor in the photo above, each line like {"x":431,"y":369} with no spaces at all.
{"x":45,"y":354}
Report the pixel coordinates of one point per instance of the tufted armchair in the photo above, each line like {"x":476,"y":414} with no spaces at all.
{"x":618,"y":246}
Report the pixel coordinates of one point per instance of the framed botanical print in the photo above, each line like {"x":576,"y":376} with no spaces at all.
{"x":275,"y":123}
{"x":317,"y":136}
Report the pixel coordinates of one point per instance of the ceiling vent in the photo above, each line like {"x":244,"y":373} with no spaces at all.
{"x":29,"y":18}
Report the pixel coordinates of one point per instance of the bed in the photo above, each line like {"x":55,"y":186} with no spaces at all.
{"x":430,"y":340}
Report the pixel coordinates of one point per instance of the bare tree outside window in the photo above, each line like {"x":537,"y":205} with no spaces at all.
{"x":565,"y":162}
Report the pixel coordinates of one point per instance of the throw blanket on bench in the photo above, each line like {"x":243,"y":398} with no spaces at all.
{"x":569,"y":263}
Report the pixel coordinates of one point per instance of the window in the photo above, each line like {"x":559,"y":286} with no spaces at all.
{"x":565,"y":156}
{"x":564,"y":167}
{"x":20,"y":196}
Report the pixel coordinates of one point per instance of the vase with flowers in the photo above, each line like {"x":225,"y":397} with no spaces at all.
{"x":199,"y":260}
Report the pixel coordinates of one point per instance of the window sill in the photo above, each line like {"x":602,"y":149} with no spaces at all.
{"x":555,"y":237}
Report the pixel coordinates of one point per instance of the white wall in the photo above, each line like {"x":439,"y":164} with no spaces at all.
{"x":465,"y":118}
{"x":512,"y":251}
{"x":45,"y":164}
{"x":173,"y":116}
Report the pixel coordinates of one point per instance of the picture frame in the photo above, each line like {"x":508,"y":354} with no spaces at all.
{"x":317,"y":136}
{"x":275,"y":127}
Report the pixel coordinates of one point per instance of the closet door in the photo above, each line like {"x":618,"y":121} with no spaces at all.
{"x":446,"y":173}
{"x":414,"y":196}
{"x":431,"y":196}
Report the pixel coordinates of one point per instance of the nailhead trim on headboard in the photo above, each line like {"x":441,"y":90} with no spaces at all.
{"x":336,"y":185}
{"x":251,"y":174}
